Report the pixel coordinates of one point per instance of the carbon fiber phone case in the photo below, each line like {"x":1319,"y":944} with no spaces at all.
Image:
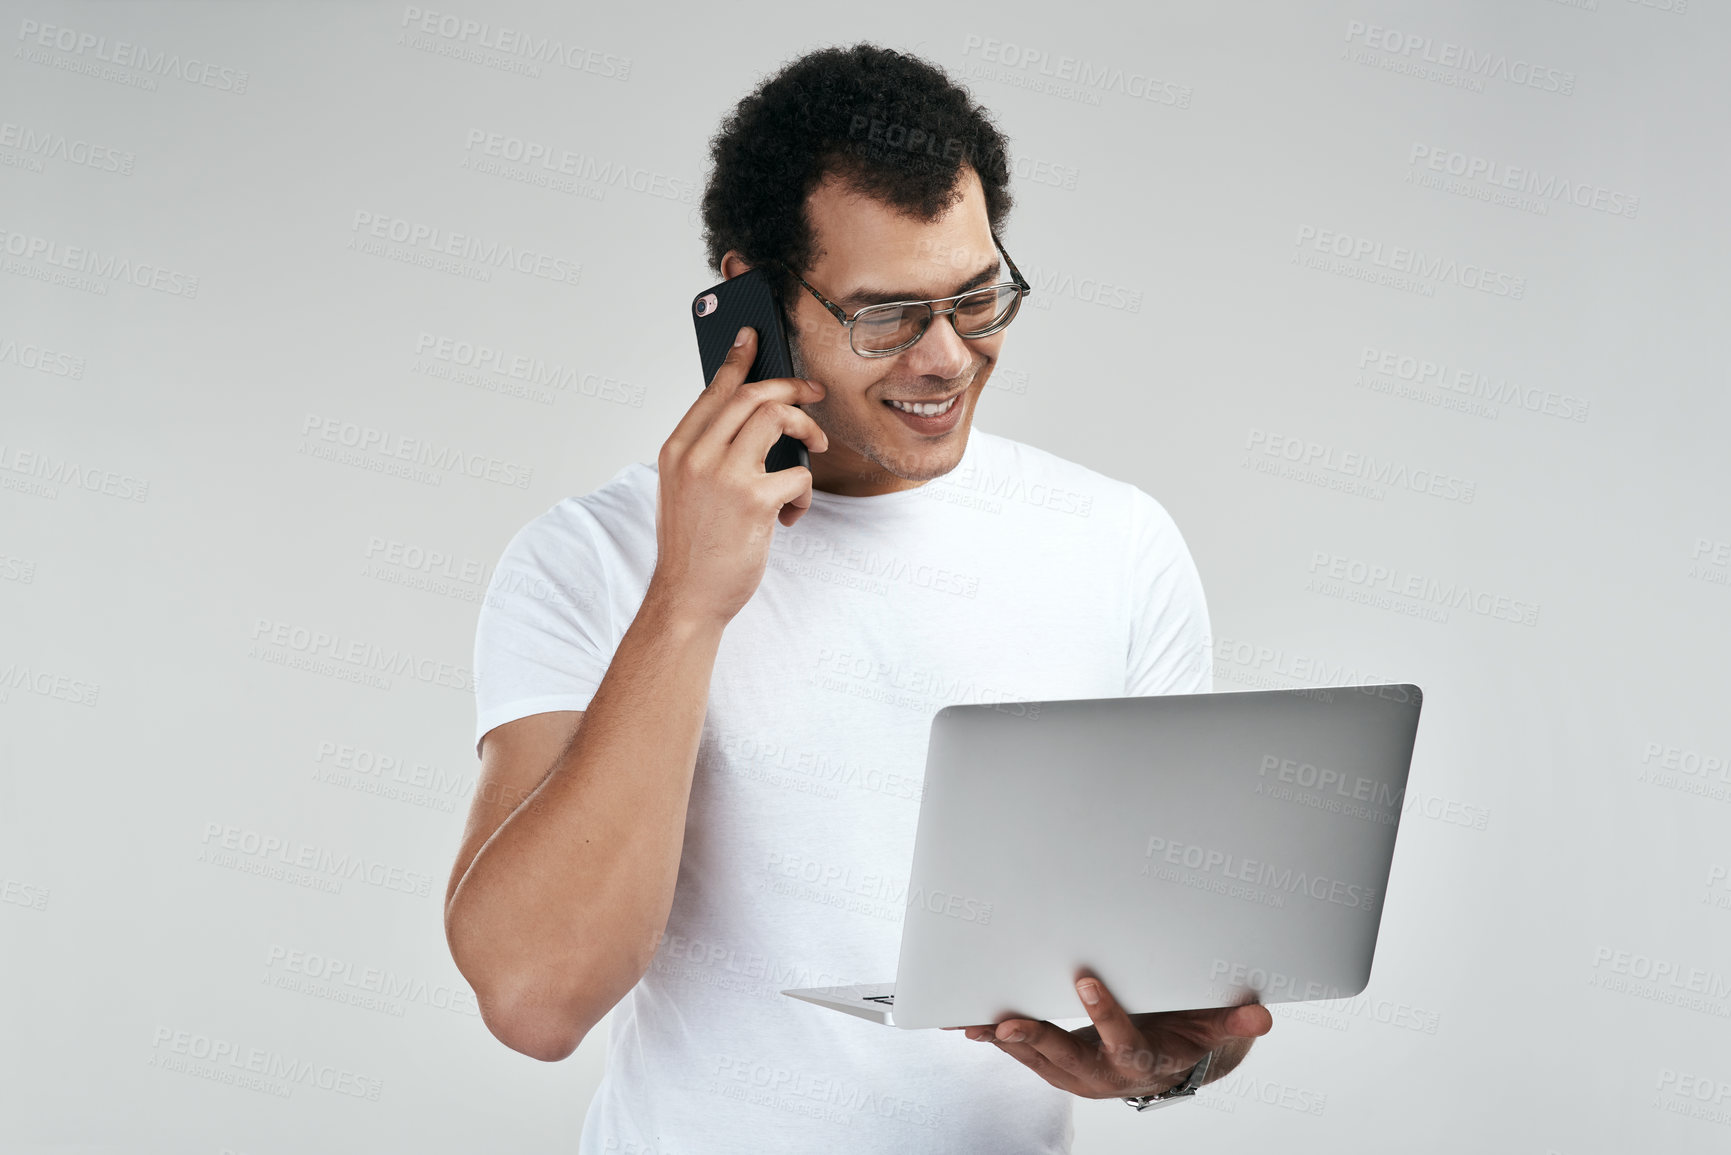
{"x":719,"y":312}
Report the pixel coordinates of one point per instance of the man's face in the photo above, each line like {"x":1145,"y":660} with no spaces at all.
{"x":869,"y":253}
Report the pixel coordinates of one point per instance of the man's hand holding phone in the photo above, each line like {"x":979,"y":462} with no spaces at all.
{"x":716,"y":505}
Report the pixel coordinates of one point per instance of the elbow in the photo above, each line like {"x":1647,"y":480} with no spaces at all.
{"x":540,"y":1027}
{"x":524,"y":1009}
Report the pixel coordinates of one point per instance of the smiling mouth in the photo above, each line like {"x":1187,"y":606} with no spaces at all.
{"x":925,"y":408}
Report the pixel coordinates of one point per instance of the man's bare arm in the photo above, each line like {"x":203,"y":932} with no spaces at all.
{"x":565,"y":878}
{"x":557,"y":902}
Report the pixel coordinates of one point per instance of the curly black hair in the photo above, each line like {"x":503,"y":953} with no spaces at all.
{"x":891,"y":125}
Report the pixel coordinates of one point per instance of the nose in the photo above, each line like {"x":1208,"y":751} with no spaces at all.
{"x":940,"y":353}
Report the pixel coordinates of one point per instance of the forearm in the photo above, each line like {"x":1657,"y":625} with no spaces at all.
{"x":561,"y":910}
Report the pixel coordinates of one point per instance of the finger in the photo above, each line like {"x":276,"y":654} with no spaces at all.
{"x":1120,"y":1039}
{"x":1249,"y":1021}
{"x":1216,"y":1025}
{"x":726,"y":423}
{"x":763,"y":426}
{"x":1042,"y":1045}
{"x":1180,"y":1038}
{"x":1031,"y":1057}
{"x":795,"y":508}
{"x":785,"y":489}
{"x":727,"y":377}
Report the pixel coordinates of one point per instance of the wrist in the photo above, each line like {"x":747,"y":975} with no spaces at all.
{"x":1176,"y":1092}
{"x":673,"y":612}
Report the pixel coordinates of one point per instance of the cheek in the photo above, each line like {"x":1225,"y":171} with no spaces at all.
{"x":825,"y":344}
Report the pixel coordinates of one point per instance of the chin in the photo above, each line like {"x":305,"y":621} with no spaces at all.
{"x":924,"y":464}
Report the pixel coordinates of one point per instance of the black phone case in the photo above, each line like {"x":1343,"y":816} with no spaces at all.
{"x":748,"y":299}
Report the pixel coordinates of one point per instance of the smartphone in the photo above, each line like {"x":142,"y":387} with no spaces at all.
{"x":719,"y":313}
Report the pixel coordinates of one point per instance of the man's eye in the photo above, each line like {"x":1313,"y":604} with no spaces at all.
{"x":884,"y":321}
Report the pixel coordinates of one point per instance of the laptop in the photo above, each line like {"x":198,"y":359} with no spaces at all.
{"x":1191,"y":850}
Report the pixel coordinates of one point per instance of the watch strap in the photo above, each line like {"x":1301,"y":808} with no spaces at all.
{"x":1182,"y":1090}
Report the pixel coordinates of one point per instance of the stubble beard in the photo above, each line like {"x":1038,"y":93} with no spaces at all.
{"x":842,"y":430}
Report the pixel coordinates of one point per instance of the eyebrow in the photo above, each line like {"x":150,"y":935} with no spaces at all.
{"x":865,"y":295}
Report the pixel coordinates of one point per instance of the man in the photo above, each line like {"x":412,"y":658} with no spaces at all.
{"x":705,"y":690}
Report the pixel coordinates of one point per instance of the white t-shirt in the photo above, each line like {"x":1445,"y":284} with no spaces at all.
{"x":1017,"y":576}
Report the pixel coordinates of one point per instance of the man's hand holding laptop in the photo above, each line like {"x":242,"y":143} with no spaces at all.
{"x":1122,"y":1055}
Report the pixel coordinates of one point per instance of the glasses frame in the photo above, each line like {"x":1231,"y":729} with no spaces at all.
{"x":1019,"y":283}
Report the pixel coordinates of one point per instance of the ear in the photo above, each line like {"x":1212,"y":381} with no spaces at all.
{"x":732,"y":264}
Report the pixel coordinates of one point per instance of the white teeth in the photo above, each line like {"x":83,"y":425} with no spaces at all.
{"x":925,"y":409}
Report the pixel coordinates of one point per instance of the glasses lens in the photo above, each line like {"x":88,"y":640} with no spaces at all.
{"x":888,"y":327}
{"x":979,"y":313}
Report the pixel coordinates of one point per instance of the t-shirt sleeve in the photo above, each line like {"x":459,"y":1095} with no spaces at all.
{"x":1171,"y":646}
{"x":544,"y":638}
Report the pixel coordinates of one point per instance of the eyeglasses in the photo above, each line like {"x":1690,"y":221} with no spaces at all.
{"x":887,"y":329}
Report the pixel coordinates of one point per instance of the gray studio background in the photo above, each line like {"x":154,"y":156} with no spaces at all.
{"x":1412,"y":315}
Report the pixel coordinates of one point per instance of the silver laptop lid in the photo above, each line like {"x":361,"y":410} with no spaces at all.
{"x":1192,"y":850}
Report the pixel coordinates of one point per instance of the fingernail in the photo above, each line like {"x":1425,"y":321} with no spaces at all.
{"x":1089,"y":990}
{"x":1013,"y":1037}
{"x":739,"y":339}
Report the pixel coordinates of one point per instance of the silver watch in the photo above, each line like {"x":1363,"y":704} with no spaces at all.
{"x":1177,"y":1093}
